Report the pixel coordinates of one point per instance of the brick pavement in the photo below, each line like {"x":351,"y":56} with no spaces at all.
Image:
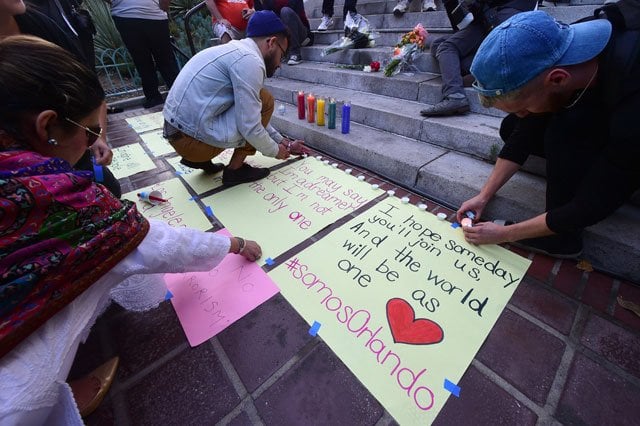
{"x":562,"y":352}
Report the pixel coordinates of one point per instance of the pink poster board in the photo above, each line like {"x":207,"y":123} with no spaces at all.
{"x":209,"y":302}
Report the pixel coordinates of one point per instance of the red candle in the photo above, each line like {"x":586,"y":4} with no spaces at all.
{"x":311,"y":108}
{"x":301,"y":105}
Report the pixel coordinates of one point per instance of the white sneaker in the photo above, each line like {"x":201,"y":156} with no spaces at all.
{"x":428,"y":6}
{"x":326,"y":23}
{"x":294,"y":60}
{"x":401,"y":7}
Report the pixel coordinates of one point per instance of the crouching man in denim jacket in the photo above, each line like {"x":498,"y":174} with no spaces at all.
{"x":218,"y":101}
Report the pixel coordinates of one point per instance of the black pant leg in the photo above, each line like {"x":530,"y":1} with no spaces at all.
{"x":131,"y":30}
{"x":159,"y":41}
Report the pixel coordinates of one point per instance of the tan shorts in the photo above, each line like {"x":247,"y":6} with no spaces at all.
{"x":192,"y":149}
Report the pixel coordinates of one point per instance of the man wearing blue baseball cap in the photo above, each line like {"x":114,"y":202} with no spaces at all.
{"x":573,"y":97}
{"x":219,"y":101}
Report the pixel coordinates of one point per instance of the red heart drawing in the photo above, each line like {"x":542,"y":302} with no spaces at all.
{"x":405,"y":328}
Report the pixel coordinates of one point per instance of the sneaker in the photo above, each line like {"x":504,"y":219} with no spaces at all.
{"x":150,"y":103}
{"x":208,"y":166}
{"x":244,"y":174}
{"x":308,"y":41}
{"x":558,"y":246}
{"x":447,"y":106}
{"x":326,"y":23}
{"x":401,"y":7}
{"x":428,"y":6}
{"x":294,"y":60}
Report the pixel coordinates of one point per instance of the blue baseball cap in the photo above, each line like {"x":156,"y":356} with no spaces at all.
{"x":528,"y":43}
{"x":264,"y":23}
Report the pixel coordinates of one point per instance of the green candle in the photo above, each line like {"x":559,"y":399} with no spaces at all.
{"x":332,"y":114}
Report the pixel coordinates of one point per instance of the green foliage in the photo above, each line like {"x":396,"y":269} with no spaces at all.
{"x":200,"y":25}
{"x":494,"y":150}
{"x":107,"y":36}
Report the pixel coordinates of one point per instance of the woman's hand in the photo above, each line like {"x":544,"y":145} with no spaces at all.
{"x":252,"y":251}
{"x":101,"y":152}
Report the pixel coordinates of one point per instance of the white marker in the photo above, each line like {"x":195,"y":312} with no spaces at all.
{"x":422,"y":206}
{"x":360,"y":178}
{"x":347,"y":171}
{"x":391,"y":193}
{"x":442,"y":216}
{"x":405,"y":200}
{"x":375,"y":186}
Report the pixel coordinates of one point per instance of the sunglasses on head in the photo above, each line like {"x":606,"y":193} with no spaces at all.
{"x":93,"y":133}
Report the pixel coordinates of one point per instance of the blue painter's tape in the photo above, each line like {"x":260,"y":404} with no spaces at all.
{"x":452,"y":387}
{"x":194,"y":198}
{"x":314,"y":328}
{"x":97,"y":171}
{"x":178,"y":172}
{"x":209,"y":211}
{"x":168,"y":296}
{"x":269,"y":261}
{"x":455,"y":225}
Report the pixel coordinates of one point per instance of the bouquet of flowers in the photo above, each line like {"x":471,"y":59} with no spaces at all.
{"x":411,"y":43}
{"x":357,"y":35}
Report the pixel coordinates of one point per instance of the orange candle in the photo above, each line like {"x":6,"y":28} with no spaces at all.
{"x":311,"y":108}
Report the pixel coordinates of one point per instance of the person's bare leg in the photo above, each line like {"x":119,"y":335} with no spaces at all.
{"x":237,"y":159}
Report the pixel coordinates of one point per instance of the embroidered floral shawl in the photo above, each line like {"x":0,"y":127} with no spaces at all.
{"x":59,"y":233}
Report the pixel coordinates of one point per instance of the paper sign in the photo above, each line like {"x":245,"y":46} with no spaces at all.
{"x":129,"y":160}
{"x":202,"y":182}
{"x":156,"y":143}
{"x":209,"y":302}
{"x":403,"y":300}
{"x":290,"y":205}
{"x":177,"y":211}
{"x":144,"y":123}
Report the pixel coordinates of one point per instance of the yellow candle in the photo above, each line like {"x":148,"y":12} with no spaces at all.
{"x":320,"y":118}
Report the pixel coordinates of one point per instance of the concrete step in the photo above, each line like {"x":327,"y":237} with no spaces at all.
{"x":313,"y":8}
{"x":452,"y":177}
{"x":438,"y":19}
{"x":472,"y":134}
{"x":419,"y":87}
{"x":384,"y":37}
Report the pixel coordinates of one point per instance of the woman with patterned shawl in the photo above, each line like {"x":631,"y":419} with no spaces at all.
{"x":67,"y":245}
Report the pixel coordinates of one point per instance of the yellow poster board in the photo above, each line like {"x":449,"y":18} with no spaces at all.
{"x":178,"y":211}
{"x":156,"y":143}
{"x":289,"y":205}
{"x":129,"y":160}
{"x":144,"y":123}
{"x":404,"y":302}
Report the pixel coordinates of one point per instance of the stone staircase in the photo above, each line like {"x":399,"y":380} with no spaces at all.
{"x":446,"y":159}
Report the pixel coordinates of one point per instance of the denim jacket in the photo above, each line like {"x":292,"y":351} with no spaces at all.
{"x":216,"y":98}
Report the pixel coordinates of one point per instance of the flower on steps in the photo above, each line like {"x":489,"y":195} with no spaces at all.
{"x":403,"y":53}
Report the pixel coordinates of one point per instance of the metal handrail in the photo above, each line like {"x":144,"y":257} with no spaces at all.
{"x":187,"y":28}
